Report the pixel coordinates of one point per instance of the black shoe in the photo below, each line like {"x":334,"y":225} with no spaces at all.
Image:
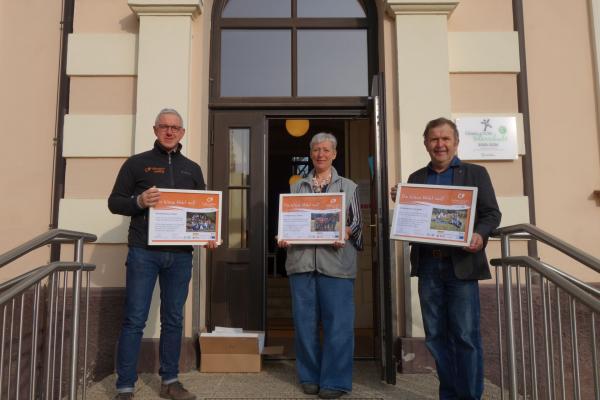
{"x":124,"y":396}
{"x":310,"y":388}
{"x":330,"y":393}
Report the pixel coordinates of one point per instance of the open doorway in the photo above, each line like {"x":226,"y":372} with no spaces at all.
{"x":289,"y":156}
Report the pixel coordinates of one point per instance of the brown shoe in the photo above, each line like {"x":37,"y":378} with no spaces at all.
{"x":175,"y":391}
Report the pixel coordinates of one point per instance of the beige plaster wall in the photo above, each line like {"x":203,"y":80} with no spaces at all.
{"x":482,"y":16}
{"x":102,"y":95}
{"x":104,"y":16}
{"x":29,"y":68}
{"x":116,"y":95}
{"x":564,"y":130}
{"x":93,"y":178}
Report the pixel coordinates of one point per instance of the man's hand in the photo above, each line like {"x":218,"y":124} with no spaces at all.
{"x":476,"y":243}
{"x":393,"y":191}
{"x":149,"y":198}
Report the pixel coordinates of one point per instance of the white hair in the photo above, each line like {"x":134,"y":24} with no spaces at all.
{"x":323,"y":136}
{"x":168,"y":111}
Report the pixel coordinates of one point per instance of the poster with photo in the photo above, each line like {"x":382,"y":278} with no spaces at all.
{"x":185,"y":217}
{"x":434,"y":214}
{"x":309,"y":218}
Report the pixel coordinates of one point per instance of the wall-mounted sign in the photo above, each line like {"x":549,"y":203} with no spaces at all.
{"x":487,"y":138}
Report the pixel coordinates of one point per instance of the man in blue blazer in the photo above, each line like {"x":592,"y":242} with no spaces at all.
{"x":448,"y":276}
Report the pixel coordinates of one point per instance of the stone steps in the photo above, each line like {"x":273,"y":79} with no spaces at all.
{"x":278,"y":381}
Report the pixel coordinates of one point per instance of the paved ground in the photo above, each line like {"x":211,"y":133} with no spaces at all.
{"x":277,"y":381}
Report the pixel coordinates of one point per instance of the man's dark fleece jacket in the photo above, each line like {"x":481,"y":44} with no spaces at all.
{"x":157,"y":167}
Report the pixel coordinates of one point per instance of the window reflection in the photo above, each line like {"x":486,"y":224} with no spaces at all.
{"x":256,"y":62}
{"x":332,"y":62}
{"x":330,"y":9}
{"x":239,"y":179}
{"x":239,"y":157}
{"x":257,"y":9}
{"x":238,"y":218}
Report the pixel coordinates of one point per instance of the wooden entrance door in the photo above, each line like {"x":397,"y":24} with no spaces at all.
{"x":236,"y":271}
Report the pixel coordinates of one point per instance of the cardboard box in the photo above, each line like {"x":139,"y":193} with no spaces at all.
{"x":234,"y":353}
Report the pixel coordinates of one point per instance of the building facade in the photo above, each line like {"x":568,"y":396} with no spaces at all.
{"x":373,"y":72}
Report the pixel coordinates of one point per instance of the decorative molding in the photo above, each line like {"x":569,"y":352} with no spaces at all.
{"x":93,"y":216}
{"x":515,"y":210}
{"x":102,"y":54}
{"x":488,"y":52}
{"x":403,"y":7}
{"x":166,"y":7}
{"x":98,"y":135}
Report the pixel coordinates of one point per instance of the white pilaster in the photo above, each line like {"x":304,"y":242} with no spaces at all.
{"x":164,"y":61}
{"x":423,"y":73}
{"x":423,"y":93}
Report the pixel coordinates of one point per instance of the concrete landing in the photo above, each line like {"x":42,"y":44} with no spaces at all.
{"x":278,"y":381}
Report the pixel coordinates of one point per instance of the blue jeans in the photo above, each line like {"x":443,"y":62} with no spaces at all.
{"x":450,"y":309}
{"x":173,"y":271}
{"x":320,"y":298}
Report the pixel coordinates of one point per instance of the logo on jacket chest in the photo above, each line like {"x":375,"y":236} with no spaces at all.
{"x":155,"y":170}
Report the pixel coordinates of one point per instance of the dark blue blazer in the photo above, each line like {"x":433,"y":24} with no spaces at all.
{"x":468,"y":266}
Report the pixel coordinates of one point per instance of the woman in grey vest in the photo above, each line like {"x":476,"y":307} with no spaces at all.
{"x":322,"y":284}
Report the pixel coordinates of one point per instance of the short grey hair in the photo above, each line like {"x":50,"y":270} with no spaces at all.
{"x":168,"y":111}
{"x":321,"y":137}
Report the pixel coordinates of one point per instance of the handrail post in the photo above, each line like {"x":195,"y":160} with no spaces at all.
{"x":75,"y":321}
{"x":508,"y":312}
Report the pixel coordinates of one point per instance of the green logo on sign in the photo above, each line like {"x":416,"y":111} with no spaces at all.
{"x":502,"y":130}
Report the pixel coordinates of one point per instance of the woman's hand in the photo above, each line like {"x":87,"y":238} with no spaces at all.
{"x":339,"y":245}
{"x":212,"y":244}
{"x":282,"y":244}
{"x":393,"y":191}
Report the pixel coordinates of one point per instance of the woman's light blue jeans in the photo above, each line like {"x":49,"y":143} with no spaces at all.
{"x":330,"y":301}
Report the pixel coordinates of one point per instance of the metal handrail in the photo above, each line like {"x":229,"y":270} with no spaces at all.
{"x":558,"y":279}
{"x":49,"y":237}
{"x":552,"y":241}
{"x":41,"y":273}
{"x":578,"y":292}
{"x":20,"y":286}
{"x":582,"y":285}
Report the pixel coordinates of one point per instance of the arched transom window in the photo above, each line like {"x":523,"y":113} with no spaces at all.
{"x":290,"y":48}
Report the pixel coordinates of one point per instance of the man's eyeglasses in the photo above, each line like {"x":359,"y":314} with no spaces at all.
{"x":173,"y":128}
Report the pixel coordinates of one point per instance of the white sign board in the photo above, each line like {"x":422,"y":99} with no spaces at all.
{"x":487,"y":138}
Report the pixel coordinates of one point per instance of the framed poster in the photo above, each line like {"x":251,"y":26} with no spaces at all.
{"x":312,"y":218}
{"x":434,"y":214}
{"x":185,"y":217}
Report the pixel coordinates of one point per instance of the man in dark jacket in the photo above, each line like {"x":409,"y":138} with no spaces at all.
{"x":448,"y":276}
{"x":135,"y":190}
